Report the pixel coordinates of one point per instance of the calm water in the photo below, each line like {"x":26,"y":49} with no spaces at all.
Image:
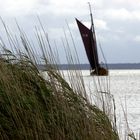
{"x":125,"y":86}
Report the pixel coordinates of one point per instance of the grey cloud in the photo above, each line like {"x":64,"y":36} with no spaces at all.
{"x":117,"y":30}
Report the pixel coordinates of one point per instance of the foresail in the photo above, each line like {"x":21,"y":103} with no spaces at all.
{"x":89,"y":44}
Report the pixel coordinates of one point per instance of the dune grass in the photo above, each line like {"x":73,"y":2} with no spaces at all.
{"x":34,"y":108}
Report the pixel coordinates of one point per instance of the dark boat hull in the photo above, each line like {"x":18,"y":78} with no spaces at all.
{"x":100,"y":72}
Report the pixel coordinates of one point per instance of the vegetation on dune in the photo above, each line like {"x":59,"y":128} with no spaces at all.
{"x":35,"y":108}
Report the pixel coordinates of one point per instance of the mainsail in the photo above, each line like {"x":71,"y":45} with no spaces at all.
{"x":90,"y":45}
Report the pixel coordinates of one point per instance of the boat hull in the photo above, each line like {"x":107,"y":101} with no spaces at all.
{"x":100,"y":72}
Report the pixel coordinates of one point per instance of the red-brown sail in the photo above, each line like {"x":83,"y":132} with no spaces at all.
{"x":90,"y":45}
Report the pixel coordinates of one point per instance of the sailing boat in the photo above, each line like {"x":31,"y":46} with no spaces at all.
{"x":89,"y":41}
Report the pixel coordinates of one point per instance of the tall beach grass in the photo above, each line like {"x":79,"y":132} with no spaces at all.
{"x":36,"y":108}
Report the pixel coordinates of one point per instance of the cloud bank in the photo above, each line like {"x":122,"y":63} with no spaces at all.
{"x":116,"y":23}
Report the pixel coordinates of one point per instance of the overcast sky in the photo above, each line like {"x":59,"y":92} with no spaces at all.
{"x":117,"y":23}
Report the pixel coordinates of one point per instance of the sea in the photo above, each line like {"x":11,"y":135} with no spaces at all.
{"x":124,"y":85}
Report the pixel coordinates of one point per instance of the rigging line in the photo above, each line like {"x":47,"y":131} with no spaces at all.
{"x":103,"y":55}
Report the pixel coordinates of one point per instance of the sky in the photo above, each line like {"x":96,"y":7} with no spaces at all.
{"x":116,"y":24}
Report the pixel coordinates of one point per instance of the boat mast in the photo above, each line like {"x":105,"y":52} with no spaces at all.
{"x":94,"y":38}
{"x":91,"y":16}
